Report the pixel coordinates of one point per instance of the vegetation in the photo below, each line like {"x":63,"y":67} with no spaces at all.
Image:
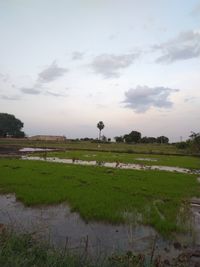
{"x":147,"y":159}
{"x":162,"y":139}
{"x":119,"y":139}
{"x":132,"y":137}
{"x":194,"y":142}
{"x":148,"y":140}
{"x":87,"y":145}
{"x":150,"y":197}
{"x":25,"y":251}
{"x":100,"y":126}
{"x":10,"y":126}
{"x":136,"y":137}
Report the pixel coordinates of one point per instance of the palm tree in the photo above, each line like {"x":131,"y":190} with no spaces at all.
{"x":100,"y":126}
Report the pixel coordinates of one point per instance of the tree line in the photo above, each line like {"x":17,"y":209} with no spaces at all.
{"x":192,"y":143}
{"x":12,"y":127}
{"x":136,"y":137}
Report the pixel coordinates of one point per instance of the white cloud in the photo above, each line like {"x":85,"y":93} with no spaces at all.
{"x":142,"y":98}
{"x":76,"y":55}
{"x":10,"y":97}
{"x":51,"y":73}
{"x":109,"y":65}
{"x":196,"y":10}
{"x":4,"y":77}
{"x":185,"y":46}
{"x":55,"y":94}
{"x":30,"y":91}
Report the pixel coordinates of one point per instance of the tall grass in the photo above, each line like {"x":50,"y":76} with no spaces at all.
{"x":25,"y":251}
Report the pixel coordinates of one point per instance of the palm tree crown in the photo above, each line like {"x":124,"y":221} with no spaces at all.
{"x":100,"y":126}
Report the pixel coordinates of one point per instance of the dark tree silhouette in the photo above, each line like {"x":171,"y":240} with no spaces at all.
{"x":162,"y":140}
{"x":10,"y":126}
{"x":100,"y":126}
{"x":132,"y":137}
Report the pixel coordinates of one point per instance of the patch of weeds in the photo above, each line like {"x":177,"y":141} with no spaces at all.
{"x":45,"y":173}
{"x":129,"y":151}
{"x":5,"y":166}
{"x":83,"y":182}
{"x":128,"y":259}
{"x":68,"y":177}
{"x":109,"y":171}
{"x":117,"y":188}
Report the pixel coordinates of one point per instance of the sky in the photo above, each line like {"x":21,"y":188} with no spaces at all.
{"x":133,"y":64}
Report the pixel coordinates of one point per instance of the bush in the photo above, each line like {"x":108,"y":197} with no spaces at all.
{"x":182,"y":145}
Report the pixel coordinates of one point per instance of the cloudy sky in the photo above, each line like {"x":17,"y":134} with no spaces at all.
{"x":135,"y":64}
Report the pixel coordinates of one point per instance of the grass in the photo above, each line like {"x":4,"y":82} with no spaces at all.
{"x":25,"y":251}
{"x":161,"y":160}
{"x":87,"y":145}
{"x":103,"y":194}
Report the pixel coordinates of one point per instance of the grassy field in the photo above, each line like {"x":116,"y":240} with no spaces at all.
{"x":82,"y":145}
{"x":103,"y":194}
{"x":161,"y":160}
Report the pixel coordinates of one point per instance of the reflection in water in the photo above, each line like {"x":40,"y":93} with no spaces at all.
{"x":65,"y":229}
{"x":32,"y":149}
{"x":130,"y":166}
{"x":59,"y":224}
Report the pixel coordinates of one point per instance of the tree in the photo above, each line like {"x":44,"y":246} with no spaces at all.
{"x":132,"y":137}
{"x":148,"y":140}
{"x":194,"y":142}
{"x":162,"y":140}
{"x":104,"y":138}
{"x":182,"y":145}
{"x":100,"y":126}
{"x":119,"y":139}
{"x":10,"y":126}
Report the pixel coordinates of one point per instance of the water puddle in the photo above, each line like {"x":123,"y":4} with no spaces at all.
{"x":146,"y":159}
{"x":35,"y":149}
{"x":130,"y":166}
{"x":65,"y":229}
{"x":59,"y":224}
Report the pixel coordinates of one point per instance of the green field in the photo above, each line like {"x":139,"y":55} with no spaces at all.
{"x":103,"y":194}
{"x":87,"y":145}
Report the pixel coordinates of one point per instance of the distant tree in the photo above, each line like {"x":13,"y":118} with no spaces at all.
{"x":100,"y":126}
{"x":148,"y":140}
{"x":104,"y":138}
{"x":127,"y":138}
{"x":119,"y":139}
{"x":109,"y":139}
{"x":132,"y":137}
{"x":194,"y":136}
{"x":194,"y":142}
{"x":162,"y":140}
{"x":182,"y":145}
{"x":10,"y":126}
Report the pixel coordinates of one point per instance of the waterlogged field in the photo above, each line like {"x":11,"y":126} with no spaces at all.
{"x":155,"y":198}
{"x":189,"y":162}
